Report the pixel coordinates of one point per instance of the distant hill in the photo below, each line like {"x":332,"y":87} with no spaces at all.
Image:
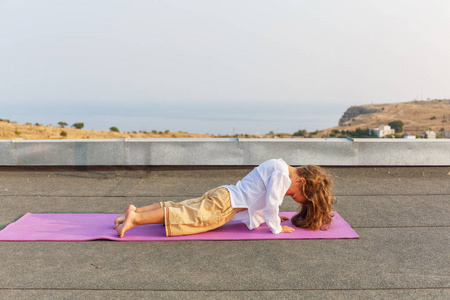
{"x":417,"y":116}
{"x":12,"y":130}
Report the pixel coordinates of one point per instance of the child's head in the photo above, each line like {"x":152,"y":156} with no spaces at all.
{"x":315,"y":213}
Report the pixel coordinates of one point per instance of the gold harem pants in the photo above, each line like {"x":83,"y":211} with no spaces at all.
{"x":192,"y":216}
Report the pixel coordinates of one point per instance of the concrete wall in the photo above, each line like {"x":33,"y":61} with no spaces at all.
{"x":167,"y":152}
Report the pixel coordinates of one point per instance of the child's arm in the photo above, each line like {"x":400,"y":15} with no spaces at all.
{"x":276,"y":189}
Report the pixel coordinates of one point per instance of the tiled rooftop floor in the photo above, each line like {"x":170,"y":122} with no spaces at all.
{"x":402,"y":215}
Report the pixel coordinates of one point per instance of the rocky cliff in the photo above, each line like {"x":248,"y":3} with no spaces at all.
{"x":355,"y":111}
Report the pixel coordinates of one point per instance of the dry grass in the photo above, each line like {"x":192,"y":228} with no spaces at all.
{"x":10,"y":131}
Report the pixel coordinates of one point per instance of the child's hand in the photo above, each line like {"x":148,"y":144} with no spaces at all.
{"x":287,"y":229}
{"x":284,"y":218}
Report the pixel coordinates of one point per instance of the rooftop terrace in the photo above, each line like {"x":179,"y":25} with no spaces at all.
{"x":402,"y":214}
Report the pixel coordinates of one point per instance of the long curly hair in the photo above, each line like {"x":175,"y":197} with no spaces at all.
{"x":316,"y":213}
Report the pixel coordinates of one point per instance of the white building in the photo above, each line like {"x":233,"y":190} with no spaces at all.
{"x":447,"y":133}
{"x":382,"y":131}
{"x":430,"y":135}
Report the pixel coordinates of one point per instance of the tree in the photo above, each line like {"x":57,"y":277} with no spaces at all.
{"x":301,"y":132}
{"x":361,"y":132}
{"x":358,"y":133}
{"x":62,"y":124}
{"x":397,"y":125}
{"x":113,"y":128}
{"x":78,"y":125}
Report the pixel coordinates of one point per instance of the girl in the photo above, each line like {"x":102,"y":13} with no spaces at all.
{"x":256,"y":198}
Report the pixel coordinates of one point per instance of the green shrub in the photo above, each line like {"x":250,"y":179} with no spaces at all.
{"x":358,"y":133}
{"x":301,"y":132}
{"x":397,"y":125}
{"x":113,"y":128}
{"x":78,"y":125}
{"x":62,"y":124}
{"x":63,"y":133}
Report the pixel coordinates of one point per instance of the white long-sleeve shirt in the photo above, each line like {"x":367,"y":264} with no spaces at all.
{"x":261,"y":192}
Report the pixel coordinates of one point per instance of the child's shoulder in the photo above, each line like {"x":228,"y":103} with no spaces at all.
{"x":276,"y":164}
{"x":274,"y":161}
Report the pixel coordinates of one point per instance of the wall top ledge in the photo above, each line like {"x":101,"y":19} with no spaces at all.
{"x":222,"y":140}
{"x":225,"y":151}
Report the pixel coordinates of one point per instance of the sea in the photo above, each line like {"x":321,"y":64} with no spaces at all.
{"x":207,"y":118}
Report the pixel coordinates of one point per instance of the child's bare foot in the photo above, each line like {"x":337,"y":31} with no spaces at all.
{"x":119,"y":220}
{"x":127,"y":224}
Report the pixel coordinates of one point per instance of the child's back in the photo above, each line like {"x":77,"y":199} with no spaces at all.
{"x":262,"y":192}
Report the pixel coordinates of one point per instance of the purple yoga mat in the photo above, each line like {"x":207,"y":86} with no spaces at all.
{"x":86,"y":227}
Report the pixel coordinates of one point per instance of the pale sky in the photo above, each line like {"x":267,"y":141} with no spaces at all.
{"x":217,"y":66}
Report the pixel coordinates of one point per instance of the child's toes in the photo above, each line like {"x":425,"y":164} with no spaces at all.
{"x":119,"y":220}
